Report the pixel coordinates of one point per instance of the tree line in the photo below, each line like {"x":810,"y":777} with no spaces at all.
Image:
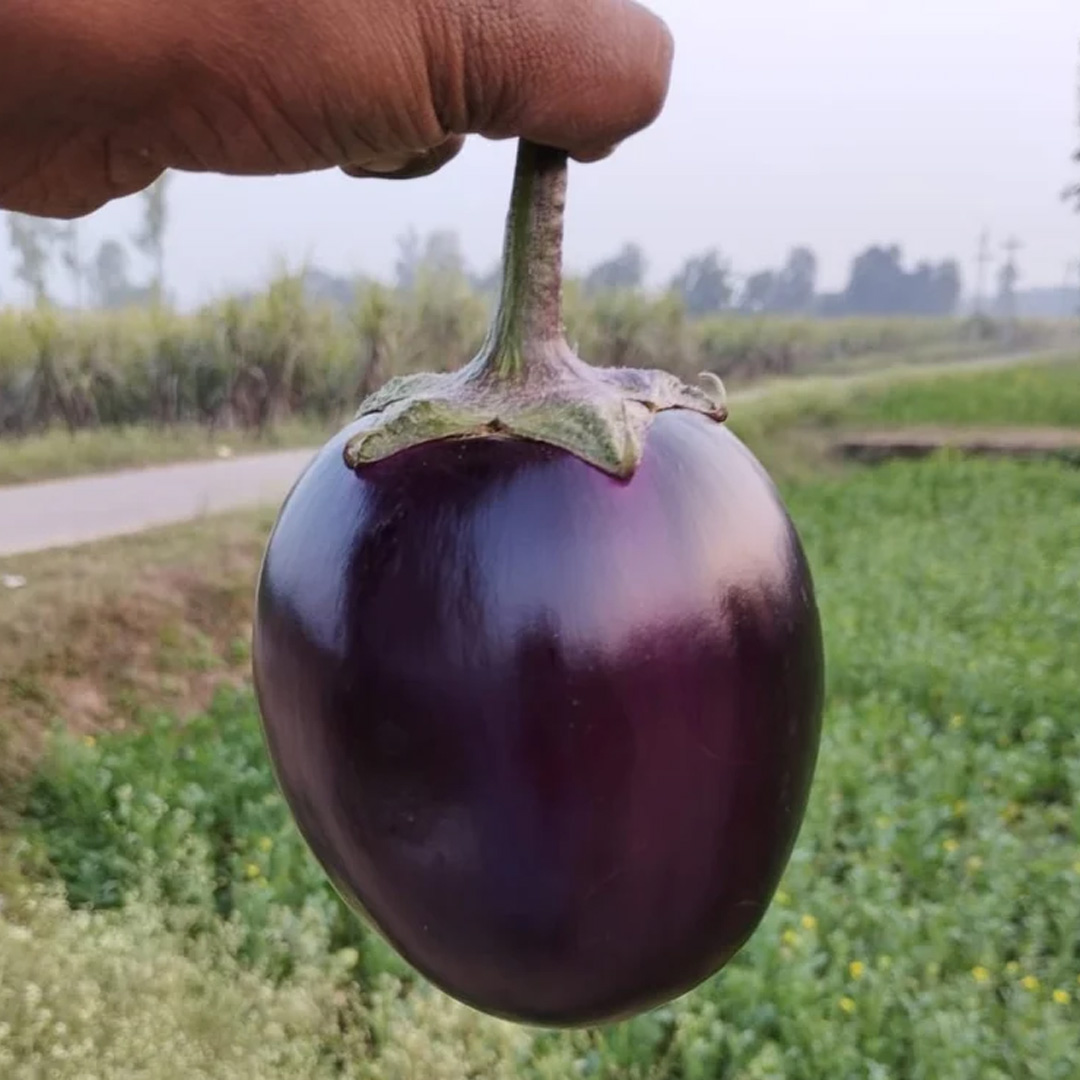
{"x":101,"y":279}
{"x":879,"y":282}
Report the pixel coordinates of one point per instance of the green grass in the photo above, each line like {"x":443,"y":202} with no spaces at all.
{"x":1023,"y":396}
{"x":926,"y":928}
{"x":792,"y":424}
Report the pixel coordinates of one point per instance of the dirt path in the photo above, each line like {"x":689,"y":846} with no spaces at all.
{"x":62,"y":513}
{"x":916,"y":442}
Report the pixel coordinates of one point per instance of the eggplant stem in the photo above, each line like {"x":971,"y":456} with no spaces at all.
{"x":526,"y":382}
{"x":530,"y":305}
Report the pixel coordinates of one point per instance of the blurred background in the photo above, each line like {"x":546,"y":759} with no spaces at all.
{"x":864,"y":219}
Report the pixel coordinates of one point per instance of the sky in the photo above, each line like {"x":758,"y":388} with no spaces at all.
{"x":832,"y":123}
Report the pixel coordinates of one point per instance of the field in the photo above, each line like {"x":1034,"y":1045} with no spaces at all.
{"x":162,"y":919}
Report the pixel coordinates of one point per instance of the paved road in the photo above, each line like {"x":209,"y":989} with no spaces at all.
{"x":61,"y":513}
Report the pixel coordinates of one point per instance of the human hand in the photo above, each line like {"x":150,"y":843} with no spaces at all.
{"x":98,"y":97}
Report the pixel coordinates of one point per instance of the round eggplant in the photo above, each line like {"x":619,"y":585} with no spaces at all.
{"x":552,"y":731}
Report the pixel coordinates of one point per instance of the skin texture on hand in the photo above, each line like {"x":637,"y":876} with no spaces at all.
{"x":98,"y":97}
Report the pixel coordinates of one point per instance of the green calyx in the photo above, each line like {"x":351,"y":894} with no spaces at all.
{"x":526,"y":382}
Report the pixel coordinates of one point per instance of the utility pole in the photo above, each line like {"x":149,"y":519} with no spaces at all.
{"x":1008,"y":276}
{"x":983,"y":259}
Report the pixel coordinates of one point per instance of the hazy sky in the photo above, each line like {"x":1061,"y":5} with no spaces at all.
{"x":834,"y":123}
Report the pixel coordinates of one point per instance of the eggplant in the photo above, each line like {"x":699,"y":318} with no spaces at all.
{"x":544,"y":696}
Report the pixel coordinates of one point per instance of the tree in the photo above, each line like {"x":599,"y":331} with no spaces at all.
{"x":758,"y":292}
{"x":704,"y":283}
{"x":150,"y":239}
{"x":790,"y":290}
{"x":373,"y":318}
{"x":626,"y":270}
{"x":71,"y":257}
{"x":947,"y":287}
{"x":442,"y":254}
{"x":407,"y":261}
{"x":876,"y":283}
{"x":437,"y":256}
{"x":33,"y":239}
{"x":322,"y":287}
{"x":879,"y":285}
{"x":110,"y":286}
{"x":796,"y":284}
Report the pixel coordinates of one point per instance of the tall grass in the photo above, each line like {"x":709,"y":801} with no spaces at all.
{"x":251,"y":365}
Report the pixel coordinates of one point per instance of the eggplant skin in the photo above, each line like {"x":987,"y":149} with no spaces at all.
{"x":552,"y":733}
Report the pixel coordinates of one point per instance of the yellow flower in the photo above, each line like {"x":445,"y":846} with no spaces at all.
{"x":89,"y":740}
{"x":1030,"y":982}
{"x":265,"y":844}
{"x":789,"y":937}
{"x":951,"y":845}
{"x":848,"y":1005}
{"x":960,"y":808}
{"x":1062,"y":997}
{"x":974,"y":864}
{"x":856,"y":969}
{"x":782,"y":898}
{"x":808,"y":922}
{"x":956,"y":722}
{"x":252,"y":870}
{"x":980,"y":974}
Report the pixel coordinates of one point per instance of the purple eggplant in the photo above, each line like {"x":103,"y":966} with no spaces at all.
{"x":549,"y":724}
